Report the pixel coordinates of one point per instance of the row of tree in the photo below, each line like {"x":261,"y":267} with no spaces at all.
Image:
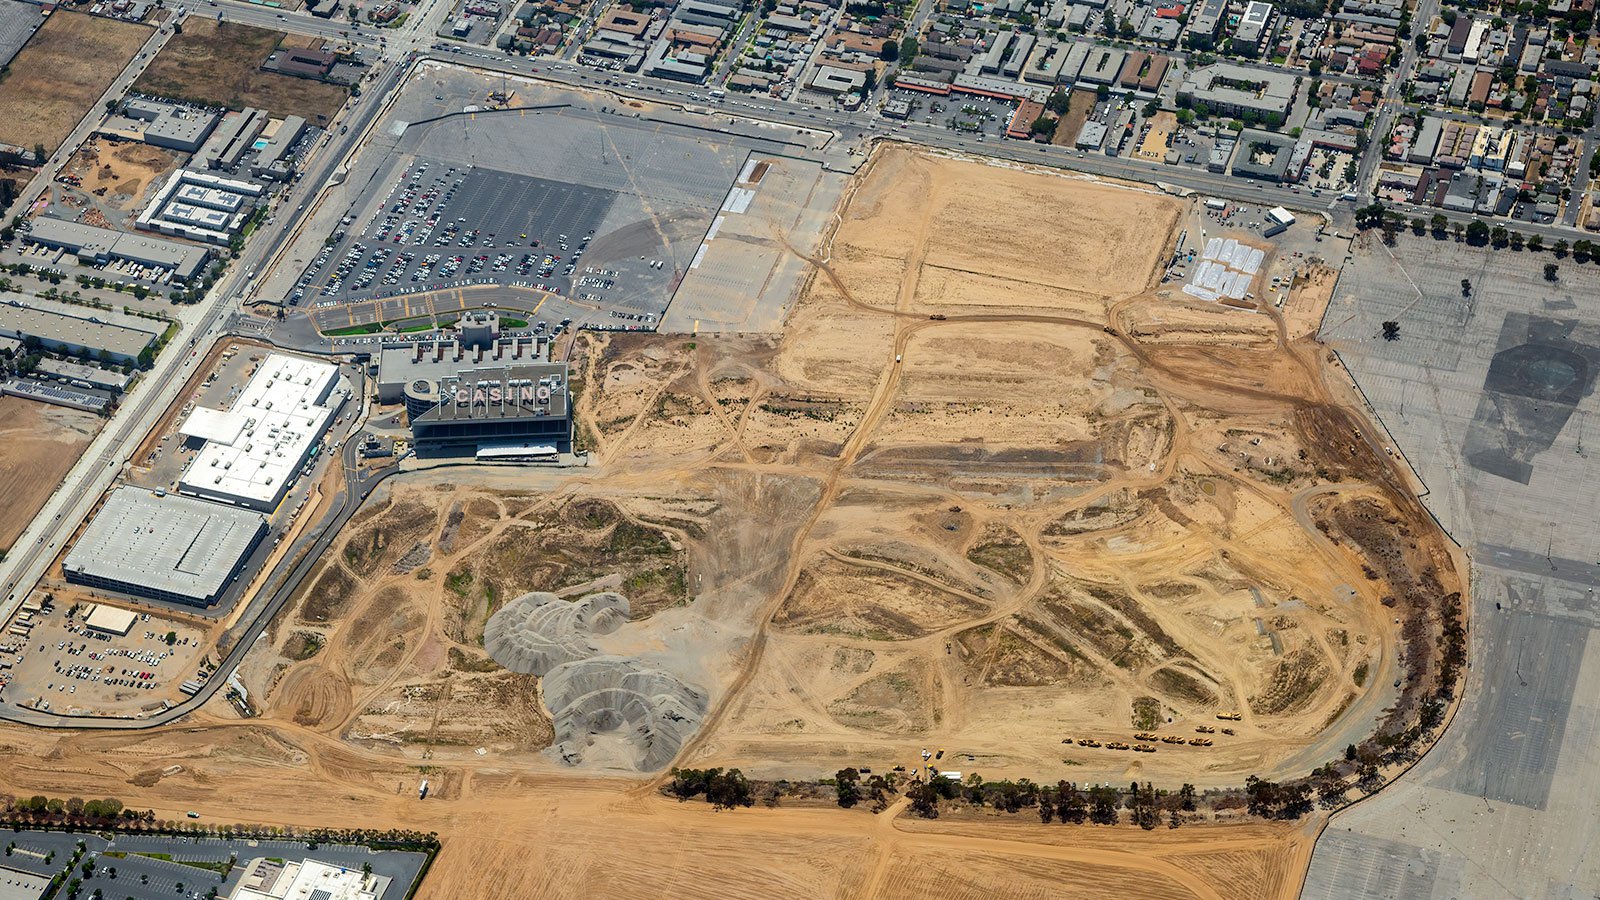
{"x":722,"y":788}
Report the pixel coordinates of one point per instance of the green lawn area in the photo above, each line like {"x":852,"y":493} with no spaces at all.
{"x":353,"y":330}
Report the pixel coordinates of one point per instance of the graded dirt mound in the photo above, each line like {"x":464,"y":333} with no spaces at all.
{"x":649,"y":711}
{"x":653,"y":710}
{"x":538,"y":631}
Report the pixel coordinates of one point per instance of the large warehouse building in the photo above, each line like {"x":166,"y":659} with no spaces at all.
{"x":494,"y":405}
{"x":164,"y":547}
{"x":91,"y":243}
{"x":253,"y":450}
{"x":84,"y":335}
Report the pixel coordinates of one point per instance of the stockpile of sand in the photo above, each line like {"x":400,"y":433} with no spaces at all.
{"x":588,"y":692}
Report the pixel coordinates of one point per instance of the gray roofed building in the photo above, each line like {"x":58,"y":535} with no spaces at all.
{"x":1264,"y":155}
{"x":273,"y":161}
{"x":164,"y":546}
{"x":80,"y":336}
{"x":91,"y":376}
{"x":227,"y":145}
{"x":1103,"y":65}
{"x":161,"y":124}
{"x":1234,"y":90}
{"x":1207,"y":20}
{"x":101,"y":245}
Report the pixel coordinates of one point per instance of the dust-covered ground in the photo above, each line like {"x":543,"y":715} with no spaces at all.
{"x":38,"y":445}
{"x":994,"y":492}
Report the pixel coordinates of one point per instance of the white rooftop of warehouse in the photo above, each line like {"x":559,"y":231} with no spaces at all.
{"x":253,"y":450}
{"x":163,"y":541}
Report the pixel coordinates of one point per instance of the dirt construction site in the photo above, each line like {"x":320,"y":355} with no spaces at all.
{"x":1024,"y":506}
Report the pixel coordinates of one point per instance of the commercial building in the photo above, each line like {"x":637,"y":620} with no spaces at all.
{"x":479,"y":344}
{"x":305,"y":62}
{"x":274,"y":160}
{"x":253,"y":450}
{"x":226,"y":147}
{"x":86,"y":399}
{"x":277,"y":879}
{"x":93,"y":244}
{"x":1235,"y":90}
{"x":84,"y":376}
{"x":458,"y":413}
{"x":163,"y":546}
{"x":73,"y":335}
{"x":161,"y":124}
{"x":201,"y":206}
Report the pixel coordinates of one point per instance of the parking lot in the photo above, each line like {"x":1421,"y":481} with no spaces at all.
{"x":440,"y":227}
{"x":65,"y":667}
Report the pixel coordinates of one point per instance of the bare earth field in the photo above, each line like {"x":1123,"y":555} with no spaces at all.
{"x":1013,"y":513}
{"x":62,"y":71}
{"x":38,"y":445}
{"x":220,"y":62}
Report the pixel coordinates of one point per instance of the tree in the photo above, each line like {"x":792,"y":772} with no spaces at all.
{"x":889,"y":52}
{"x":1550,"y":271}
{"x":1560,"y":248}
{"x":924,"y":800}
{"x":1391,"y":330}
{"x":847,"y":784}
{"x":1044,"y":126}
{"x":1103,"y":800}
{"x":725,"y":790}
{"x":1439,"y":224}
{"x":1478,"y":233}
{"x":1069,"y":803}
{"x":171,"y":638}
{"x":908,"y":50}
{"x":1535,"y":243}
{"x":1466,"y":287}
{"x":1102,"y":93}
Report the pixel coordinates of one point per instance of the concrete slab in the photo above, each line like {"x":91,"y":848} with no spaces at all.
{"x":1488,"y":391}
